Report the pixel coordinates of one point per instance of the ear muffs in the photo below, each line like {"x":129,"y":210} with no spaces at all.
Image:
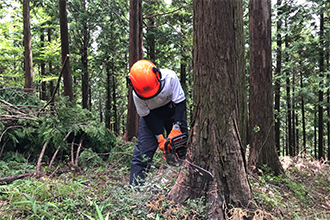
{"x":158,"y":77}
{"x":157,"y":72}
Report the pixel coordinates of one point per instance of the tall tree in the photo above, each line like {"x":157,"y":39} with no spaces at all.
{"x":214,"y":142}
{"x":67,"y":78}
{"x":278,"y":71}
{"x":135,"y":54}
{"x":84,"y":59}
{"x":43,"y":92}
{"x":262,"y":137}
{"x":320,"y":104}
{"x":27,"y":47}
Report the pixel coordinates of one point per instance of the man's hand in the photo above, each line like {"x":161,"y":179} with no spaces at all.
{"x":161,"y":142}
{"x":176,"y":130}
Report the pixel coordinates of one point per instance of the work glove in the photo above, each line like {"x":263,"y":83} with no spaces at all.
{"x":161,"y":142}
{"x":176,"y":130}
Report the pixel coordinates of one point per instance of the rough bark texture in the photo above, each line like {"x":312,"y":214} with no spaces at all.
{"x":214,"y":142}
{"x":262,"y":142}
{"x":135,"y":54}
{"x":27,"y":47}
{"x":67,"y":78}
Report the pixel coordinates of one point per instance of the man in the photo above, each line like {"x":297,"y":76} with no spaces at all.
{"x":160,"y":102}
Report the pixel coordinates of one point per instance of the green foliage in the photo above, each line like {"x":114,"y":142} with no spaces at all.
{"x":94,"y":195}
{"x":90,"y":159}
{"x":61,"y":127}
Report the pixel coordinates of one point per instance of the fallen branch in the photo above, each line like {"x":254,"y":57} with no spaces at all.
{"x":10,"y":179}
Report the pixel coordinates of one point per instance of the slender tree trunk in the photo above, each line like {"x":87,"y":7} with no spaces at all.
{"x":43,"y":92}
{"x":328,"y":93}
{"x":215,"y":142}
{"x":315,"y":131}
{"x":320,"y":105}
{"x":150,"y":38}
{"x":288,"y":96}
{"x":84,"y":60}
{"x":51,"y":69}
{"x":135,"y":54}
{"x":108,"y":102}
{"x":294,"y":147}
{"x":303,"y":114}
{"x":114,"y":97}
{"x":278,"y":72}
{"x":28,"y":87}
{"x":67,"y":78}
{"x":100,"y":107}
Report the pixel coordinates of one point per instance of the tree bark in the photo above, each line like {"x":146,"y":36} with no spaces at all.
{"x":214,"y":143}
{"x":262,"y":142}
{"x":108,"y":91}
{"x":135,"y":54}
{"x":67,"y":78}
{"x":28,"y":87}
{"x":278,"y":73}
{"x":320,"y":104}
{"x":114,"y":97}
{"x":43,"y":95}
{"x":84,"y":60}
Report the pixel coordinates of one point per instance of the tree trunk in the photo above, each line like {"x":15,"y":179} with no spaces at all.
{"x":288,"y":95}
{"x":303,"y":114}
{"x":114,"y":106}
{"x":278,"y":73}
{"x":135,"y":54}
{"x":294,"y":146}
{"x":214,"y":142}
{"x":67,"y":78}
{"x":28,"y":87}
{"x":150,"y":39}
{"x":43,"y":93}
{"x":320,"y":105}
{"x":108,"y":91}
{"x":262,"y":136}
{"x":84,"y":60}
{"x":51,"y":70}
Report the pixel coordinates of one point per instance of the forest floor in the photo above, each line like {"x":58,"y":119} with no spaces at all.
{"x":100,"y":191}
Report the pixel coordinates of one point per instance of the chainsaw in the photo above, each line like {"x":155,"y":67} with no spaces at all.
{"x":173,"y":159}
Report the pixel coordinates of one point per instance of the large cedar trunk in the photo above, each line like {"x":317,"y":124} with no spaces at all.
{"x":262,"y":136}
{"x":27,"y":47}
{"x":215,"y":142}
{"x":135,"y":54}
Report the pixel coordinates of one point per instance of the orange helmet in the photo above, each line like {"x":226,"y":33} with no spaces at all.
{"x":144,"y":77}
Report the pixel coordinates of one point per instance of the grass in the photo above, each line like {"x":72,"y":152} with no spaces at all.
{"x":101,"y":192}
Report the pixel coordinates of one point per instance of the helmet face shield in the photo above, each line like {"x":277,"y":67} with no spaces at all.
{"x":144,"y":77}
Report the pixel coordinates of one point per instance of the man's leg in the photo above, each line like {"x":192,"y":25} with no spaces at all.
{"x":143,"y":153}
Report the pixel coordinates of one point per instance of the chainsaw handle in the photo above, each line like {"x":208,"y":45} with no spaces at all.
{"x":168,"y":141}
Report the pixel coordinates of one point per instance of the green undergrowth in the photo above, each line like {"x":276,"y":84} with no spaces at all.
{"x":99,"y":190}
{"x":302,"y":192}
